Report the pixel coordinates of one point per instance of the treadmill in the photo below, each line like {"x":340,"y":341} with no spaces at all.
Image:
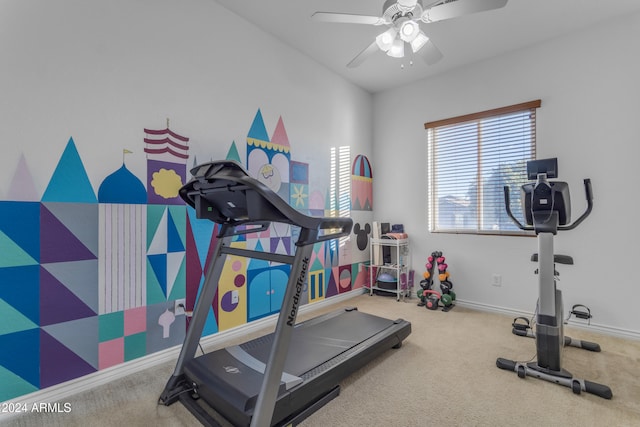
{"x":283,"y":377}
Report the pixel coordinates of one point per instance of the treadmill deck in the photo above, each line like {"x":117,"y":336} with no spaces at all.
{"x":323,"y":351}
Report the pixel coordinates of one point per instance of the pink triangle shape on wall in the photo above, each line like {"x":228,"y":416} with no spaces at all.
{"x":280,"y":135}
{"x":22,"y":187}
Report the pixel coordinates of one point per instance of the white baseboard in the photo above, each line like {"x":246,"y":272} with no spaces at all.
{"x":64,"y":390}
{"x":492,"y":308}
{"x":61,"y":391}
{"x":596,"y":327}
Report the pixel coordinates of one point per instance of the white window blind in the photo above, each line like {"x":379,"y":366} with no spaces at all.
{"x":471,"y":159}
{"x":340,"y":188}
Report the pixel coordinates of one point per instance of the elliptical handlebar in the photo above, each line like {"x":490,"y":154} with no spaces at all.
{"x":507,"y":204}
{"x":588,"y":194}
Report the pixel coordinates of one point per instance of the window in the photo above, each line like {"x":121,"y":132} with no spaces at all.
{"x":340,"y":187}
{"x":340,"y":181}
{"x":471,"y":159}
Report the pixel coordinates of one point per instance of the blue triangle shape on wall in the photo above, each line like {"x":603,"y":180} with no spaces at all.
{"x":14,"y":320}
{"x":12,"y":254}
{"x":233,"y":154}
{"x":20,"y":221}
{"x":70,"y":182}
{"x":174,"y":242}
{"x":27,"y":365}
{"x":159,"y":265}
{"x":22,"y":290}
{"x":258,"y":131}
{"x":13,"y":385}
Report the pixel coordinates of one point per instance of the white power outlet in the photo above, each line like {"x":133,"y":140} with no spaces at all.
{"x":235,"y":297}
{"x":496,"y":280}
{"x":180,"y":307}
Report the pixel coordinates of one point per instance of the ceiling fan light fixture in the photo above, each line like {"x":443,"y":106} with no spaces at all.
{"x":419,"y":41}
{"x":386,"y":39}
{"x":397,"y":49}
{"x":409,"y":30}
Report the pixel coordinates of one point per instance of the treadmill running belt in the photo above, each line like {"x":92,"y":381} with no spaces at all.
{"x":316,"y":342}
{"x":323,"y":350}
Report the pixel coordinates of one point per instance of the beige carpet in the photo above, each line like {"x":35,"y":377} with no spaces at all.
{"x":444,"y":374}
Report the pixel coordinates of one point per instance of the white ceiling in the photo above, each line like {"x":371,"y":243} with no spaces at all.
{"x":462,"y":41}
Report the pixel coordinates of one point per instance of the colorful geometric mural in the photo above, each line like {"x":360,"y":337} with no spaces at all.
{"x":122,"y":272}
{"x":299,"y":185}
{"x":164,"y":328}
{"x":89,"y":281}
{"x":232,"y":291}
{"x":268,"y":160}
{"x":266,"y":286}
{"x":68,"y":224}
{"x":167,"y":154}
{"x":166,"y":242}
{"x":22,"y":187}
{"x":361,"y":184}
{"x":233,"y":153}
{"x":122,"y":239}
{"x":19,"y":298}
{"x":201,"y":241}
{"x":73,"y":276}
{"x":70,"y":182}
{"x":122,"y":187}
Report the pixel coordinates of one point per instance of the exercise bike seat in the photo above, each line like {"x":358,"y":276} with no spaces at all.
{"x":560,"y":259}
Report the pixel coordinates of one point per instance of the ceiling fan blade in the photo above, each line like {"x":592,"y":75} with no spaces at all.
{"x":346,"y":18}
{"x":362,"y":56}
{"x":430,"y":53}
{"x":457,"y":8}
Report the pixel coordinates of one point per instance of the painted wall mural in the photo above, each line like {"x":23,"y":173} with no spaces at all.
{"x":167,"y":154}
{"x":361,"y":184}
{"x":361,"y":213}
{"x":89,"y":280}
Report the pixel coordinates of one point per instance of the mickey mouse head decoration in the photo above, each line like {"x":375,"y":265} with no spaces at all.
{"x":361,"y":235}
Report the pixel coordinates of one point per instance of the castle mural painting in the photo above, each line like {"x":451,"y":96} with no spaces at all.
{"x":91,"y":279}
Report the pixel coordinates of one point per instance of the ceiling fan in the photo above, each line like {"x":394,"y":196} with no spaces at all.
{"x":403,"y":18}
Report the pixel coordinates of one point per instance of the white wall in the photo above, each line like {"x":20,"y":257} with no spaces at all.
{"x":101,"y":71}
{"x":589,"y":86}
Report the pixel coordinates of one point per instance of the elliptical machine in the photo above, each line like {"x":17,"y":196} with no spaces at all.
{"x":547,"y":210}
